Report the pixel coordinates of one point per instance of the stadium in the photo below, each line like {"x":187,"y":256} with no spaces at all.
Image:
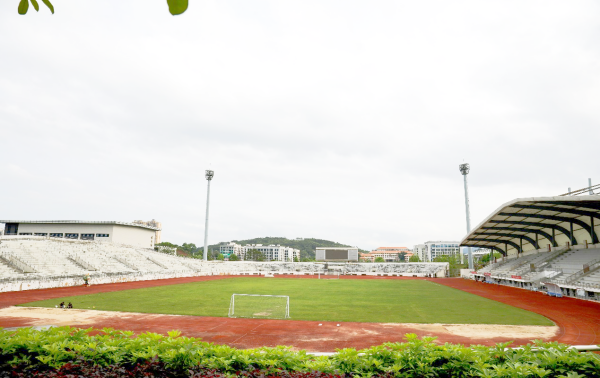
{"x":108,"y":276}
{"x":545,"y":286}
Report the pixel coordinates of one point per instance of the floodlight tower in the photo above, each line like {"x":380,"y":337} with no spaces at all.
{"x":464,"y":170}
{"x":209,"y":176}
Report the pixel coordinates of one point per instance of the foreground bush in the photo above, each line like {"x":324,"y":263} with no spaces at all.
{"x":71,"y":352}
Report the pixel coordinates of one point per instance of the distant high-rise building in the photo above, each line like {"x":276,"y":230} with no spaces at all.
{"x":432,"y":249}
{"x":271,"y":252}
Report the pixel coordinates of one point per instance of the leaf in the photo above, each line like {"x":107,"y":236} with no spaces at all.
{"x":23,"y":6}
{"x":49,"y":5}
{"x":177,"y":6}
{"x":35,"y":5}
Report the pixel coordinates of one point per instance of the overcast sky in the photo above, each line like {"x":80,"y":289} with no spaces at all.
{"x":342,"y":120}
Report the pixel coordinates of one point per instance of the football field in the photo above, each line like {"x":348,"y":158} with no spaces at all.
{"x":380,"y":301}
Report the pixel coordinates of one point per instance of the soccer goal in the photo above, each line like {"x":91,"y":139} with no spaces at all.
{"x":259,"y":306}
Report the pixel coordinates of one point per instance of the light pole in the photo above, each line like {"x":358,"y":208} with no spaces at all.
{"x":209,"y":176}
{"x":464,"y":170}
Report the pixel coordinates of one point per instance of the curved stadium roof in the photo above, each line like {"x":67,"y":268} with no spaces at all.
{"x":525,"y":224}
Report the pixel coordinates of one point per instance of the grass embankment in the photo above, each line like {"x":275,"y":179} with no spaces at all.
{"x":385,"y":301}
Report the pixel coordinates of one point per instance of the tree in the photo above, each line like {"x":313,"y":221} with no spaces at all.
{"x":220,"y":257}
{"x":189,"y":247}
{"x":234,"y":257}
{"x":379,"y":259}
{"x":175,"y":6}
{"x":454,"y":263}
{"x":402,"y":256}
{"x":414,"y":258}
{"x":254,"y":255}
{"x":486,"y":258}
{"x":167,"y":244}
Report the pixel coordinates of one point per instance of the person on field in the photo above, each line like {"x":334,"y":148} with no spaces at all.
{"x":62,"y":305}
{"x":70,"y":305}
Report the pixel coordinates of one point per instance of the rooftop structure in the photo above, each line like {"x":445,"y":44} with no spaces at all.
{"x":527,"y":224}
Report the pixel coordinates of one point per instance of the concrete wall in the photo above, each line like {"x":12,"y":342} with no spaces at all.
{"x":137,"y":236}
{"x":68,"y":228}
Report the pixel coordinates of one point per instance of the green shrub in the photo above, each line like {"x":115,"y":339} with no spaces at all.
{"x":56,"y":347}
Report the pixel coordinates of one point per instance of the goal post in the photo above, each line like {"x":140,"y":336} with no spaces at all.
{"x":259,"y":306}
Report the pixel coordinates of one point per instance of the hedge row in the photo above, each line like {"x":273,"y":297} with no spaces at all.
{"x":71,"y":352}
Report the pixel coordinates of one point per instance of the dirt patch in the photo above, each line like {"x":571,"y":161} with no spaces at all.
{"x":74,"y":317}
{"x":64,"y":317}
{"x":487,"y":331}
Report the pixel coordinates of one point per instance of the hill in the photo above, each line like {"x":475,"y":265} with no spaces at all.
{"x":306,"y":246}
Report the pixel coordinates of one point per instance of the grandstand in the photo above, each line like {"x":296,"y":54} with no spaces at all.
{"x":31,"y":262}
{"x":544,"y":241}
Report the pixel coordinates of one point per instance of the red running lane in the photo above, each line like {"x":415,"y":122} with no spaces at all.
{"x":579,"y":320}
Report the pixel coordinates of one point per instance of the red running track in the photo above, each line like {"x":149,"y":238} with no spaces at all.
{"x":579,"y":321}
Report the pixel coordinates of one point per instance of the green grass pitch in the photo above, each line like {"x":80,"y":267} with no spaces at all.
{"x":385,"y":301}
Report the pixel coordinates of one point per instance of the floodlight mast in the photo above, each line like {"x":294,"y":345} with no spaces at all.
{"x":209,"y":176}
{"x":464,"y":170}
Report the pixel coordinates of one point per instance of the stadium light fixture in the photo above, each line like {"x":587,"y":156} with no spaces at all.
{"x":209,"y":176}
{"x":464,"y":170}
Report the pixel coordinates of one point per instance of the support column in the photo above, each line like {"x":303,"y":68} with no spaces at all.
{"x":521,"y":244}
{"x":464,"y":170}
{"x":554,"y":238}
{"x":593,"y":231}
{"x":572,"y":236}
{"x":209,"y":176}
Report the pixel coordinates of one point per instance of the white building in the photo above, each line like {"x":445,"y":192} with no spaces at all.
{"x":388,"y":254}
{"x":116,"y":232}
{"x":271,"y":252}
{"x":233,"y":249}
{"x":432,"y":249}
{"x":419,"y":250}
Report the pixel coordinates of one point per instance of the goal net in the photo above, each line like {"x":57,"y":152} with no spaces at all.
{"x":259,"y":306}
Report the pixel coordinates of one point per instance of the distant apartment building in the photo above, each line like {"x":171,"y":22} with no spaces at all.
{"x":432,"y":249}
{"x":389,"y":254}
{"x":271,"y":252}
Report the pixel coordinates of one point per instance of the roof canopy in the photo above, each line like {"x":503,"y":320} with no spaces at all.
{"x":525,"y":224}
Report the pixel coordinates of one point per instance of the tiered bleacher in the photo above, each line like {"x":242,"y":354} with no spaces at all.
{"x":574,"y":270}
{"x":548,"y":243}
{"x":29,"y":262}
